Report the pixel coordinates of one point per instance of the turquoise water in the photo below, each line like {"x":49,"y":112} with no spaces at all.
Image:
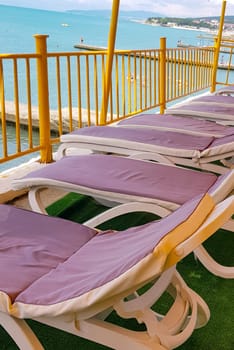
{"x":18,"y":25}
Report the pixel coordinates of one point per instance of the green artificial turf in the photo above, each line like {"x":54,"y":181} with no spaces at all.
{"x":217,"y":292}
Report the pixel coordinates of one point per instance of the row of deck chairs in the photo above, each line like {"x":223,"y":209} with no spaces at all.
{"x":194,"y":142}
{"x":212,"y":107}
{"x":75,"y":275}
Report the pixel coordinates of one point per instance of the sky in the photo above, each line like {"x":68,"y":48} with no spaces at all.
{"x":171,"y":8}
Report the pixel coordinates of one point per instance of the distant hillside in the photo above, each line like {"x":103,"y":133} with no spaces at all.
{"x":229,"y":19}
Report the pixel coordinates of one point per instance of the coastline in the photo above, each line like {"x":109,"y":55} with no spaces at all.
{"x":174,"y":26}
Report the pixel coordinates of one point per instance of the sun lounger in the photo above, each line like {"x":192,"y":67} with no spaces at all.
{"x":221,"y":100}
{"x":113,"y":180}
{"x":226,"y":90}
{"x":223,"y":114}
{"x":169,"y":147}
{"x":70,"y":276}
{"x":167,"y":122}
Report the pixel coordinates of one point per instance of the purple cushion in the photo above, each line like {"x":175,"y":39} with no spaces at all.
{"x":102,"y":259}
{"x":215,"y":109}
{"x":174,"y":140}
{"x":127,"y":176}
{"x":222,"y":99}
{"x":33,"y":244}
{"x":176,"y":122}
{"x":223,"y":141}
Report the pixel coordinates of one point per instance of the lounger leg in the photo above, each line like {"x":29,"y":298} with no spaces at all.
{"x":177,"y":325}
{"x":211,"y":167}
{"x":152,"y":157}
{"x":229,"y":163}
{"x":98,"y":330}
{"x":20,"y":332}
{"x":229,"y":225}
{"x":35,"y":200}
{"x":127,"y":208}
{"x":212,"y":265}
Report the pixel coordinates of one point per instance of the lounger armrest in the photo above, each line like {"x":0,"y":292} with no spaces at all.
{"x":124,"y":209}
{"x":220,"y":214}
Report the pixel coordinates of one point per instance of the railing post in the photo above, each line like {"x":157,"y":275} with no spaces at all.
{"x":43,"y":98}
{"x":3,"y":112}
{"x":162,"y":75}
{"x":109,"y":63}
{"x":217,"y":48}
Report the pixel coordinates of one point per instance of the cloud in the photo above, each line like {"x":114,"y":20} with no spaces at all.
{"x":172,"y":8}
{"x":182,"y":8}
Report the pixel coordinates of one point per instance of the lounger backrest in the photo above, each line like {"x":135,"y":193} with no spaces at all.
{"x":223,"y":145}
{"x":32,"y":244}
{"x":223,"y":186}
{"x":211,"y":111}
{"x":111,"y":263}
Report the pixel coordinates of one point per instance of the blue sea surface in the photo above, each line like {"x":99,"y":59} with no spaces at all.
{"x":65,"y":29}
{"x":18,"y":25}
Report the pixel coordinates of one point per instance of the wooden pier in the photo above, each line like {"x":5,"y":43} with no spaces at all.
{"x":89,"y":47}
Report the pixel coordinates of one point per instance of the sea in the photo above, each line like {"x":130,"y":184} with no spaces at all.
{"x":65,"y":29}
{"x":18,"y":25}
